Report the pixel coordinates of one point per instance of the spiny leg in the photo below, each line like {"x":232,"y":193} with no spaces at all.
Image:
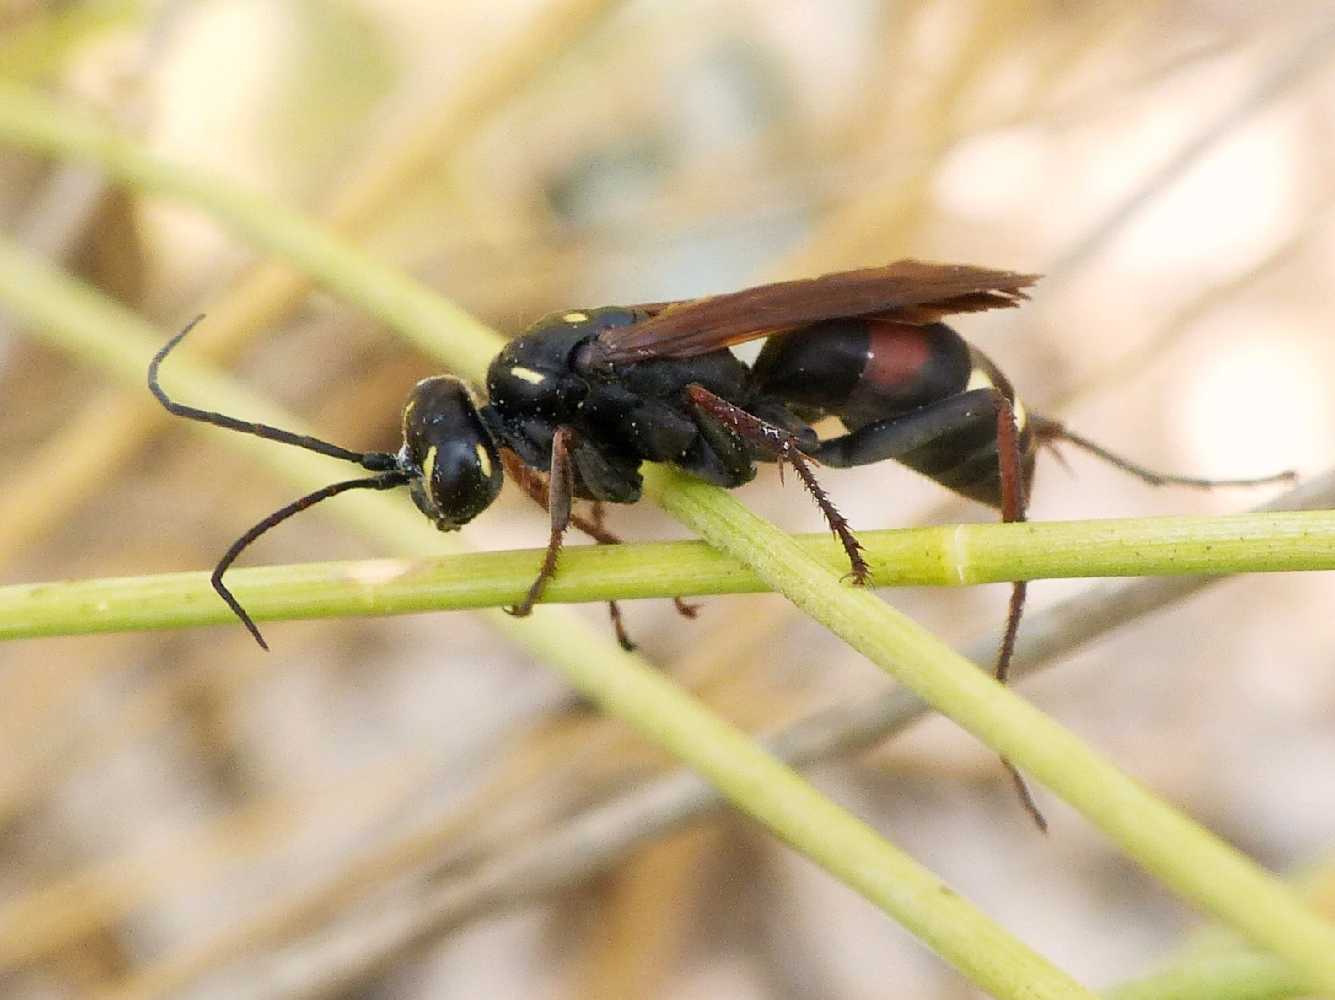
{"x":933,"y":431}
{"x":560,"y":495}
{"x":684,"y":609}
{"x":784,"y":446}
{"x":384,"y":481}
{"x":1049,"y":431}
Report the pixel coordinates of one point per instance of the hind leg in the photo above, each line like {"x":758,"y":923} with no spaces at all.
{"x":1048,"y":432}
{"x":925,"y":436}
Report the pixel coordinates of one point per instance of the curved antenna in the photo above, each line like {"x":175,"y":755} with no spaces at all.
{"x":1049,"y":431}
{"x":374,"y":461}
{"x":390,"y":475}
{"x":384,"y":481}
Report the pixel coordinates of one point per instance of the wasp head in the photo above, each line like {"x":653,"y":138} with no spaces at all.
{"x":451,"y":458}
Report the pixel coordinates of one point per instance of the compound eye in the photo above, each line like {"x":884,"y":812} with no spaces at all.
{"x":445,"y":440}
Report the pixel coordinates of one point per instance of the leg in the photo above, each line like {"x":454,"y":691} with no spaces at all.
{"x":560,"y":496}
{"x":606,"y":537}
{"x":914,"y":435}
{"x":613,"y":608}
{"x":533,"y":484}
{"x":1050,"y":431}
{"x":1013,"y":504}
{"x":939,"y":439}
{"x":931,"y":439}
{"x":785,"y":447}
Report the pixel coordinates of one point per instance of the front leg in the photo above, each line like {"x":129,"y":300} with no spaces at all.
{"x":535,"y":486}
{"x":560,"y":494}
{"x":784,"y":446}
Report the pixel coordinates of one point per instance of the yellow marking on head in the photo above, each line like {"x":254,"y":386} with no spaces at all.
{"x":576,"y":317}
{"x":407,"y":415}
{"x":483,"y":459}
{"x":979,"y":379}
{"x":429,"y":464}
{"x":528,"y":375}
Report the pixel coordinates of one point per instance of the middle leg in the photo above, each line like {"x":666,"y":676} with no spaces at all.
{"x":784,"y":446}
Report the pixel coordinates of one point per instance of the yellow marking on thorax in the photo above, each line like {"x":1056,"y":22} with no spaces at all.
{"x":979,"y":379}
{"x":576,"y":317}
{"x":483,"y":460}
{"x":528,"y":375}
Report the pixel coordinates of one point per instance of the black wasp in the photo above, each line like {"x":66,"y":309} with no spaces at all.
{"x":587,"y":395}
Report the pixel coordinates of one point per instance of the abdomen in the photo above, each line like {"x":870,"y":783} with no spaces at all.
{"x":868,"y":372}
{"x":864,"y":370}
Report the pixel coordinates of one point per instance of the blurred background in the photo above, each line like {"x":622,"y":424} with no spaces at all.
{"x":349,"y":815}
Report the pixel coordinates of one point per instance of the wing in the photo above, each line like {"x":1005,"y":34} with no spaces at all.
{"x":907,"y":291}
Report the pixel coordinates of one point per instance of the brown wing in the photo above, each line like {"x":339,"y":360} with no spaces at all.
{"x":907,"y":291}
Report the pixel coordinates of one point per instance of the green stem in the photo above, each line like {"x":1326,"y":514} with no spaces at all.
{"x":1226,"y":976}
{"x":955,"y":555}
{"x":1184,"y":855}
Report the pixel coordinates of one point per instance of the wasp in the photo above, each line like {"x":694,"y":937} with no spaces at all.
{"x":586,"y":396}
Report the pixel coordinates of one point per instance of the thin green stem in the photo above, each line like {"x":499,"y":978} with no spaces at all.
{"x":1181,"y":853}
{"x":1235,"y":975}
{"x":944,"y":556}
